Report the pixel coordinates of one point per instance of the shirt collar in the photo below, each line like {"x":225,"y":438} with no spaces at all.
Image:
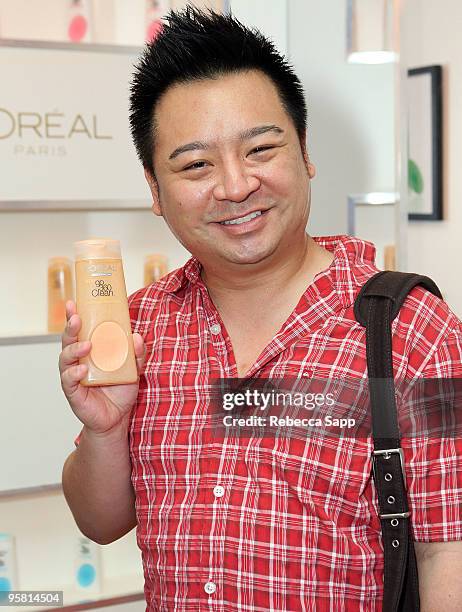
{"x":353,"y":264}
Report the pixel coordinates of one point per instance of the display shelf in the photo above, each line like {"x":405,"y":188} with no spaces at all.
{"x":26,"y":491}
{"x":116,"y":591}
{"x":68,"y":46}
{"x":38,"y":338}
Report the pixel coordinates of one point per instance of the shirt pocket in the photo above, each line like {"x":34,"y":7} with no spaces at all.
{"x":328,"y":478}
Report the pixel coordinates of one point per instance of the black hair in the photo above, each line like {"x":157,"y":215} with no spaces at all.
{"x":195,"y":45}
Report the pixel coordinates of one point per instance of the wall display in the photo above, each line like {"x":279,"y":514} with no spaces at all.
{"x":64,"y":132}
{"x":425,"y":161}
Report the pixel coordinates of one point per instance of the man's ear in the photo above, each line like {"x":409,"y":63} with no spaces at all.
{"x":311,"y":168}
{"x":154,"y":188}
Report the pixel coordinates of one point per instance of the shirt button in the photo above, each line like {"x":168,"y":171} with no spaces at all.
{"x":215,"y":328}
{"x":210,"y":587}
{"x":218,"y":491}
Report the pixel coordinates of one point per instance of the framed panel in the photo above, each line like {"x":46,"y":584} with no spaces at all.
{"x":65,"y":142}
{"x":425,"y":157}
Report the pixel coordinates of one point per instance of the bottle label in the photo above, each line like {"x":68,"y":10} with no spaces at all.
{"x":101,"y":269}
{"x":100,"y":282}
{"x":102,"y":289}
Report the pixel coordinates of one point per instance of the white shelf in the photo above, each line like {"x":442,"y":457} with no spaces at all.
{"x":41,"y":338}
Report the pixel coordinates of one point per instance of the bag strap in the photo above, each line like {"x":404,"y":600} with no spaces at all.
{"x":376,"y":305}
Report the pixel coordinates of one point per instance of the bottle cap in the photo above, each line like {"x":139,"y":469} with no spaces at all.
{"x":61,"y":261}
{"x":97,"y":248}
{"x":158,"y":257}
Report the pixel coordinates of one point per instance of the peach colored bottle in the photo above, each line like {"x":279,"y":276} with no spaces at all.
{"x":155,"y":266}
{"x":389,"y":257}
{"x":60,"y":290}
{"x":103,"y":307}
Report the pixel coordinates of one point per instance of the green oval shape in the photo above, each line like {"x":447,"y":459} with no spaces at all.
{"x":416,"y":182}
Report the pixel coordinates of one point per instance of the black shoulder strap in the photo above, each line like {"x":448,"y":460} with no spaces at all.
{"x":376,"y":305}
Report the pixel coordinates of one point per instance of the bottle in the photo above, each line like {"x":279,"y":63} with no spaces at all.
{"x":154,"y":11}
{"x":8,"y":574}
{"x":103,"y":307}
{"x":88,"y":566}
{"x":389,"y":257}
{"x":79,"y":20}
{"x":60,"y":290}
{"x":155,"y":266}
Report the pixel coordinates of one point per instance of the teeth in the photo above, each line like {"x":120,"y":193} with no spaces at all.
{"x":242,"y":219}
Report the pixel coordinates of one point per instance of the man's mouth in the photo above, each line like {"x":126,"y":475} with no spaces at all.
{"x":244,"y":219}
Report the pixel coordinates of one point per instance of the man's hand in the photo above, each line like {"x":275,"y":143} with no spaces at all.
{"x":99,"y":408}
{"x":440,"y":576}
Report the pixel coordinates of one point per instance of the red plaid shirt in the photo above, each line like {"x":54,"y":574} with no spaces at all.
{"x":276,"y":524}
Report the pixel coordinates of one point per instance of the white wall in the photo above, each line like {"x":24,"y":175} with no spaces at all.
{"x":431,"y":35}
{"x":269,"y":16}
{"x":351,"y":114}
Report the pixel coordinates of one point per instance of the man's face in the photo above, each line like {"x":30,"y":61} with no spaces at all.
{"x":225,"y":148}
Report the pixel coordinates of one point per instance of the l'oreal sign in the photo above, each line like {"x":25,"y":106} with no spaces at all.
{"x":36,"y":125}
{"x":64,"y":130}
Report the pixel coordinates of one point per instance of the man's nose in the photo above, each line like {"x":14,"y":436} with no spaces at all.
{"x":235,"y":182}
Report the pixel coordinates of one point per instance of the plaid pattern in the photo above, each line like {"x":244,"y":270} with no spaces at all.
{"x":265,"y":523}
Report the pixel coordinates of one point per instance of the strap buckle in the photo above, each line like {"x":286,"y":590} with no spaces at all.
{"x":386,"y":454}
{"x":397,"y":515}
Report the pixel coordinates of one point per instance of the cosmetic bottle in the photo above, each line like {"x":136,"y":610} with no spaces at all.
{"x":60,"y":289}
{"x":88,"y":566}
{"x":8,"y":573}
{"x":155,"y":266}
{"x":155,"y":10}
{"x":79,"y":21}
{"x":103,"y":307}
{"x":389,"y":257}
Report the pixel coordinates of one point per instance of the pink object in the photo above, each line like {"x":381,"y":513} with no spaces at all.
{"x":77,"y":28}
{"x":154,"y":29}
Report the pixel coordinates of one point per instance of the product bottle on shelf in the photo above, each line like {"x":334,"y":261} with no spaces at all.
{"x":155,"y":10}
{"x":389,"y":257}
{"x":8,"y":570}
{"x":103,"y":307}
{"x":60,"y":289}
{"x":155,"y":266}
{"x":88,"y":566}
{"x":79,"y":21}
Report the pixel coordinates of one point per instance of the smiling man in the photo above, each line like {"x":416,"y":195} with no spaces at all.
{"x":227,"y":523}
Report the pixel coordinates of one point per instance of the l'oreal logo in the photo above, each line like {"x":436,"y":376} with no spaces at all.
{"x":49,"y":125}
{"x":101,"y":269}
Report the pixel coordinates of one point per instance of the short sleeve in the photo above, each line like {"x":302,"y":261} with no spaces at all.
{"x":434,"y":464}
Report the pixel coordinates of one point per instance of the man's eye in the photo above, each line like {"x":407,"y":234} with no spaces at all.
{"x":261,"y":149}
{"x":195,"y":165}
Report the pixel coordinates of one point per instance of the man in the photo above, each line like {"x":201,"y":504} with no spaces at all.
{"x":219,"y":122}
